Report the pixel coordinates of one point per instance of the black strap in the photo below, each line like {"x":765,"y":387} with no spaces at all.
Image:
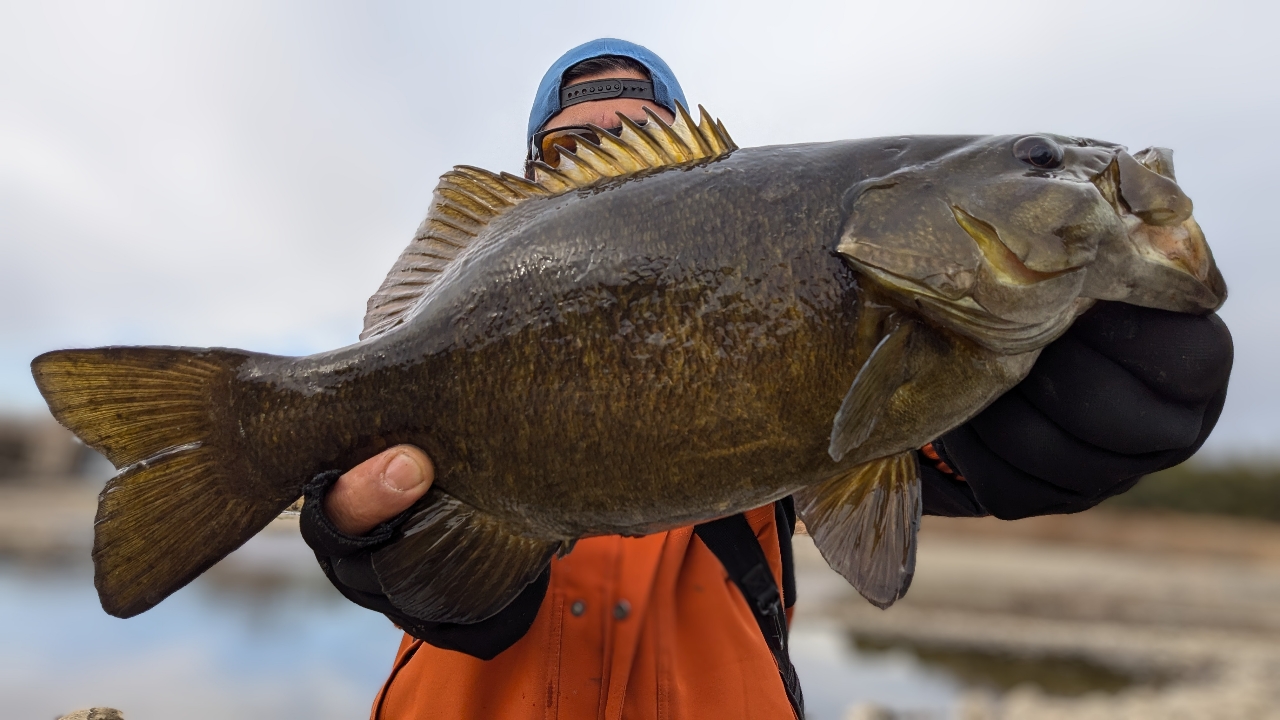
{"x":605,"y":90}
{"x":733,"y":541}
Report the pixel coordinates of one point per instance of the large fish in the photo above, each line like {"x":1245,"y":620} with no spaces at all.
{"x":662,"y":330}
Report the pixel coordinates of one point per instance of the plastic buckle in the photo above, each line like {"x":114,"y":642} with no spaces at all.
{"x":763,"y":590}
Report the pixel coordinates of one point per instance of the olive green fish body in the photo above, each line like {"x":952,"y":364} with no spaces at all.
{"x":662,"y":330}
{"x":623,"y":361}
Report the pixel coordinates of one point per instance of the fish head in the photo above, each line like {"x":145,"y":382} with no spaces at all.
{"x":1000,"y":238}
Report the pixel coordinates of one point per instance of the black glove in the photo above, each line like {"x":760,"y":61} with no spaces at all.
{"x":1125,"y":392}
{"x":348,"y":563}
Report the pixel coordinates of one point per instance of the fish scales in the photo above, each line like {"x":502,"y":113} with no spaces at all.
{"x":633,"y":334}
{"x":646,"y":351}
{"x":673,"y":347}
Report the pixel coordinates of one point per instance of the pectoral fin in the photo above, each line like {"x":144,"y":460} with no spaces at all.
{"x":881,"y":375}
{"x":865,"y":523}
{"x":455,"y":563}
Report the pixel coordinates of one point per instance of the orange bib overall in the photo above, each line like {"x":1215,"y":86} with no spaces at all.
{"x":646,"y":628}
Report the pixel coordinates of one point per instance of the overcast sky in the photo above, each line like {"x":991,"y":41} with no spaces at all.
{"x":243,"y":174}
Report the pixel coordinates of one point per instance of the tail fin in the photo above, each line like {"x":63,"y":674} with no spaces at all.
{"x":185,"y":495}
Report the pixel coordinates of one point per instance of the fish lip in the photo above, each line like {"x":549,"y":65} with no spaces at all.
{"x":1181,"y":246}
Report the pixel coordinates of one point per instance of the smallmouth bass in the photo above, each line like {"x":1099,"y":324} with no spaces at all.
{"x":662,"y":330}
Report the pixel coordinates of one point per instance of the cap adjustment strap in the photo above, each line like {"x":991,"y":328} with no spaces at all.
{"x":606,"y":89}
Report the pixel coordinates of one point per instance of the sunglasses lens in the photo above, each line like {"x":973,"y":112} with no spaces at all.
{"x":566,"y":139}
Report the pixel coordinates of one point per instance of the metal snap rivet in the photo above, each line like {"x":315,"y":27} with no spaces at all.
{"x":577,"y":608}
{"x":621,"y":610}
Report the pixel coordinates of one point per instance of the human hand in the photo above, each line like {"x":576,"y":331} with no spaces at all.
{"x":1125,"y":392}
{"x":348,"y":519}
{"x":378,"y":489}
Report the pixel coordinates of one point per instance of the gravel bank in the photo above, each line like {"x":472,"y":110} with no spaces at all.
{"x":1195,"y":601}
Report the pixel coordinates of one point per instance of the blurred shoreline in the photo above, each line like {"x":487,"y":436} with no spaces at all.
{"x":1189,"y":606}
{"x":1186,"y":607}
{"x":1160,"y":613}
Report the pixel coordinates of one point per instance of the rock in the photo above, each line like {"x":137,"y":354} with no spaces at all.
{"x":98,"y":713}
{"x":869,"y":711}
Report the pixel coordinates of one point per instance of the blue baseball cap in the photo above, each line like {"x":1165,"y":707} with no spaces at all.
{"x":666,"y":90}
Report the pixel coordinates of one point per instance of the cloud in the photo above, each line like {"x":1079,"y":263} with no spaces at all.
{"x":244,"y":173}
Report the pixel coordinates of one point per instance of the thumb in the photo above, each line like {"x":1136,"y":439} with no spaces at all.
{"x":378,"y":489}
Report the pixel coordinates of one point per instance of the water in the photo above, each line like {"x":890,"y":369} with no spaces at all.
{"x":1053,"y":675}
{"x":835,"y":675}
{"x":237,"y":643}
{"x":263,"y":635}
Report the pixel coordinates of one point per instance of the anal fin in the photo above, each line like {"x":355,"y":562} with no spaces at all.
{"x":865,"y":524}
{"x":452,"y":562}
{"x":880,"y":376}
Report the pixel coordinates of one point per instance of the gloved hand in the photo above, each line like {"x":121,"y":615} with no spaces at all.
{"x":1125,"y":392}
{"x":348,"y":516}
{"x":378,"y":489}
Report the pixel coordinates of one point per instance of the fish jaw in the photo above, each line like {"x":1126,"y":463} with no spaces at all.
{"x":1164,"y":267}
{"x":1162,"y":260}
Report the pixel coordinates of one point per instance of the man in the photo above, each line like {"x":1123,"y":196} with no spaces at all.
{"x":662,"y":626}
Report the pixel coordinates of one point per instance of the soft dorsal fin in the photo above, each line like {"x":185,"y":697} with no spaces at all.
{"x":467,"y":198}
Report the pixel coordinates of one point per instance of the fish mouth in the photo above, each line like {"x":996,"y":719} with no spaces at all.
{"x":1155,"y":212}
{"x":1180,"y":246}
{"x":1163,"y":260}
{"x":1004,"y":264}
{"x":1180,"y":255}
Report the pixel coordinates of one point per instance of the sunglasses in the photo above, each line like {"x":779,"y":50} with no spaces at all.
{"x":546,"y":145}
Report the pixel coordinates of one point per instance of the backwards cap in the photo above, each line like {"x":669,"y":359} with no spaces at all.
{"x":666,"y":90}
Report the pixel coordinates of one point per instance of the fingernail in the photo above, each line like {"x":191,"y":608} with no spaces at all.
{"x":403,"y":473}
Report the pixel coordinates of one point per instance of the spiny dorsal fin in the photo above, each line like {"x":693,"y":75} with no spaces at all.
{"x":468,"y":198}
{"x":651,"y":146}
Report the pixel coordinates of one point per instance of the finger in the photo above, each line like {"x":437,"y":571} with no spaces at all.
{"x":378,"y":489}
{"x":1095,"y":399}
{"x":1186,"y":358}
{"x":1056,"y":478}
{"x":357,"y":573}
{"x":946,"y":496}
{"x":1005,"y":491}
{"x":1212,"y":412}
{"x":1023,"y":437}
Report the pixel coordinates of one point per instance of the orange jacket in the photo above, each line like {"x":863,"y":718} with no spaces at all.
{"x":631,"y":629}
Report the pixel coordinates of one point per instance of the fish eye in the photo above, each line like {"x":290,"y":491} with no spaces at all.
{"x":1039,"y":152}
